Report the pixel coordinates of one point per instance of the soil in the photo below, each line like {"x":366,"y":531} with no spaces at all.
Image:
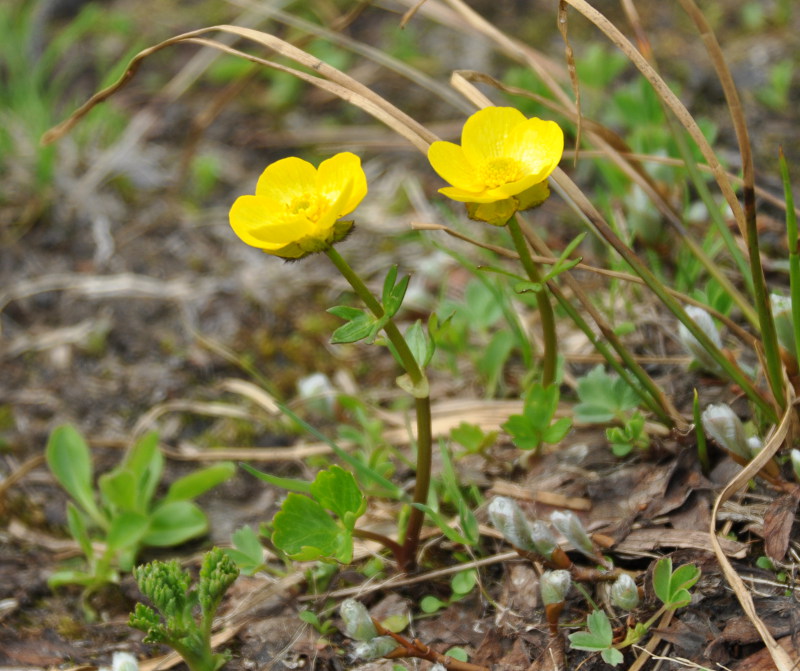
{"x":127,"y":305}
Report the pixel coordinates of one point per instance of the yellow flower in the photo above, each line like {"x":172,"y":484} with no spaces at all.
{"x":502,"y":163}
{"x":296,"y":207}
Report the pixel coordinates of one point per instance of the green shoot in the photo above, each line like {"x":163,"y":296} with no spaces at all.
{"x":175,"y":624}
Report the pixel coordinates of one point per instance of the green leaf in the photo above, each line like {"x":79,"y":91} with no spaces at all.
{"x":599,"y":638}
{"x":289,"y":484}
{"x":194,"y":484}
{"x":603,"y":397}
{"x":118,"y":489}
{"x":354,"y":330}
{"x":528,"y":287}
{"x":175,"y":522}
{"x":418,"y":343}
{"x":247,"y":551}
{"x":673,"y":588}
{"x":463,"y":582}
{"x":77,"y":528}
{"x":127,"y":530}
{"x":458,"y":653}
{"x":556,"y":431}
{"x":146,"y":462}
{"x":388,"y":284}
{"x":335,"y":489}
{"x":393,"y":301}
{"x":69,"y":577}
{"x":430,"y":604}
{"x":305,"y":531}
{"x":69,"y":460}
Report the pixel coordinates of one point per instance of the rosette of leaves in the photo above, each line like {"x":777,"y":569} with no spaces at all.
{"x":121,"y":509}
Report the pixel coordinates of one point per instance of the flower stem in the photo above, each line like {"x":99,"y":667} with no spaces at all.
{"x":406,"y":559}
{"x":543,"y":302}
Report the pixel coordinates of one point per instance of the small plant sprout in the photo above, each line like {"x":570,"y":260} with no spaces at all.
{"x":554,"y":587}
{"x":724,"y":426}
{"x":168,"y":587}
{"x":570,"y":525}
{"x":599,"y":638}
{"x":528,"y":538}
{"x":784,"y":326}
{"x":624,"y":593}
{"x":632,"y":435}
{"x":375,"y":640}
{"x":694,"y":347}
{"x":535,"y":425}
{"x":120,"y":510}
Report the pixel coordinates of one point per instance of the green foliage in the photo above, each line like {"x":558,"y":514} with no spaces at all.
{"x":472,"y":437}
{"x":672,"y":587}
{"x":628,"y":437}
{"x":604,"y":397}
{"x":599,"y":638}
{"x":468,"y":532}
{"x":535,"y":425}
{"x":363,"y":324}
{"x":775,"y":94}
{"x":247,"y":551}
{"x":461,"y":584}
{"x":304,"y":529}
{"x":176,"y":623}
{"x":121,"y":511}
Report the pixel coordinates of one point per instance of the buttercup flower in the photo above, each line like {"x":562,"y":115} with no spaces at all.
{"x":502,"y":164}
{"x":296,"y":207}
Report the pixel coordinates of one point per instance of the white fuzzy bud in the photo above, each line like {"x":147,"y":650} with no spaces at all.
{"x":782,"y":314}
{"x":570,"y":525}
{"x":507,"y":517}
{"x":554,"y":586}
{"x":544,"y":542}
{"x":722,"y":424}
{"x":358,"y":624}
{"x":375,"y":648}
{"x":624,"y":593}
{"x":693,"y":346}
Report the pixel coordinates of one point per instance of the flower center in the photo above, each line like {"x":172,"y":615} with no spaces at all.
{"x":499,"y":171}
{"x":309,"y":205}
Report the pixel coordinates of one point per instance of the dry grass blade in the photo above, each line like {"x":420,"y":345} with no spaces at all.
{"x":779,"y":655}
{"x":572,"y":70}
{"x":332,"y":80}
{"x":670,"y":99}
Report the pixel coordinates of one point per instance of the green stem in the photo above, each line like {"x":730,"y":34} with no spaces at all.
{"x":408,"y":555}
{"x":550,"y":358}
{"x":794,"y":257}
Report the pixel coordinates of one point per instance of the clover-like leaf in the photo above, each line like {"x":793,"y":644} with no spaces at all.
{"x":604,"y":397}
{"x":599,"y":638}
{"x":673,"y":587}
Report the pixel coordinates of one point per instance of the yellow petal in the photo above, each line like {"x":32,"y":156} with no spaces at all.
{"x":451,"y":164}
{"x":485,"y":132}
{"x":287,"y":179}
{"x":538,"y":145}
{"x":468,"y":196}
{"x":513,"y":188}
{"x":250,"y":219}
{"x":323,"y":227}
{"x":338,"y":173}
